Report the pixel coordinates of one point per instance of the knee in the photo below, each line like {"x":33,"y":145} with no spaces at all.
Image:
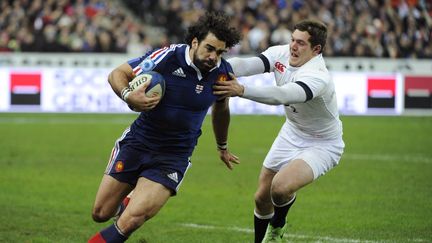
{"x":99,"y":215}
{"x":262,"y":201}
{"x":280,"y":194}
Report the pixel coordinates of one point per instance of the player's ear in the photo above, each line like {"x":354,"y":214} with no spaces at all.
{"x":317,"y":49}
{"x":194,"y":43}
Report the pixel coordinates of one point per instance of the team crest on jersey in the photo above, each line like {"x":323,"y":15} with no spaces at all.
{"x":280,"y":67}
{"x":222,"y":77}
{"x":147,"y":65}
{"x":199,"y":88}
{"x":119,"y":166}
{"x":144,"y":66}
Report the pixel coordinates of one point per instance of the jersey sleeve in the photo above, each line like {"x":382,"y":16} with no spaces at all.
{"x":262,"y":63}
{"x":246,"y":66}
{"x":313,"y":82}
{"x":270,"y":55}
{"x":290,"y":93}
{"x":151,"y":59}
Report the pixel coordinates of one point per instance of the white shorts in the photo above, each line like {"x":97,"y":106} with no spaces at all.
{"x":320,"y":154}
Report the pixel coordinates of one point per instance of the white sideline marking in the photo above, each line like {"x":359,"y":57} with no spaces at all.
{"x":295,"y":236}
{"x":245,"y":230}
{"x":388,"y":157}
{"x":65,"y":120}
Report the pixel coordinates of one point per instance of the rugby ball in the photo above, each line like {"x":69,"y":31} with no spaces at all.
{"x":156,"y":86}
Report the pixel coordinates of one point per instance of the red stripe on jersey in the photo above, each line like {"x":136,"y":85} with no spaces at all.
{"x":158,"y":52}
{"x":136,"y":70}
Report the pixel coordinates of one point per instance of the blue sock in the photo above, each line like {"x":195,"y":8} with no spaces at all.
{"x":112,"y":234}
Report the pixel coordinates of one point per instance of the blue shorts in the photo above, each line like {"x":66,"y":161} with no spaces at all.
{"x":130,"y":160}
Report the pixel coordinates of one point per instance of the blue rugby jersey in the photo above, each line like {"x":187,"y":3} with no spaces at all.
{"x":174,"y":125}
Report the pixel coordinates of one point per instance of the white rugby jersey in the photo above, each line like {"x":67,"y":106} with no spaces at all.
{"x":307,"y":92}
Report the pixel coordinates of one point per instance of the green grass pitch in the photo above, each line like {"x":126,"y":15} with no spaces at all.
{"x":51,"y":166}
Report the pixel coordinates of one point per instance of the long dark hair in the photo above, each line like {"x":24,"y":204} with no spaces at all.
{"x":217,"y":23}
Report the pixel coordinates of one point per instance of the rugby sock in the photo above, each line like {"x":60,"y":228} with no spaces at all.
{"x":122,"y":206}
{"x":260,"y":225}
{"x":111,"y":234}
{"x":280,"y":213}
{"x":97,"y":238}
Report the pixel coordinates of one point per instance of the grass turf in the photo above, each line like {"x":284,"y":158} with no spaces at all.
{"x":381,"y":191}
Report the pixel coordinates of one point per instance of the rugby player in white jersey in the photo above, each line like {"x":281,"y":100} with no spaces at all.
{"x":309,"y":143}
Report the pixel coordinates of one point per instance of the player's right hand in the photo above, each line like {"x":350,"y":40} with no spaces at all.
{"x":229,"y":88}
{"x":139,"y":100}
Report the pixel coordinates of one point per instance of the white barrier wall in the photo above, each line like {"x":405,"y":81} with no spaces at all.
{"x":77,"y":83}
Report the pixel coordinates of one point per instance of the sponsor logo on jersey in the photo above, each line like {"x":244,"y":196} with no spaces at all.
{"x":280,"y":67}
{"x":119,"y":166}
{"x":173,"y":176}
{"x":179,"y":72}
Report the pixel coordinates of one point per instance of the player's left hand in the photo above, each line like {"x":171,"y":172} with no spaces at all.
{"x":228,"y":158}
{"x":229,"y":88}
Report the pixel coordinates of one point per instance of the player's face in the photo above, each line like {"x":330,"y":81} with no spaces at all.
{"x":207,"y":53}
{"x":301,"y":49}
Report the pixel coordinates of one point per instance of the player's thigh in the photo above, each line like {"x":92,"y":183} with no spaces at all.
{"x":321,"y":158}
{"x":148,"y":198}
{"x":110,"y":194}
{"x":293,"y":176}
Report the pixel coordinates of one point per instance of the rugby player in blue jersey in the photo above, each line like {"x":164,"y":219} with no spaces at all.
{"x":152,"y":156}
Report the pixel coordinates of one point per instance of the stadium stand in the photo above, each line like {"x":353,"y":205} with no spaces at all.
{"x":69,"y":26}
{"x":366,"y":28}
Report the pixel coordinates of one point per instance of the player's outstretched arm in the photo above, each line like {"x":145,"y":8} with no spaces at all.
{"x":290,"y":93}
{"x":246,"y":66}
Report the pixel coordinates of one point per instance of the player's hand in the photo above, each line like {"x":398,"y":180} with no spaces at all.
{"x":229,"y":88}
{"x":140,"y":101}
{"x":228,"y":158}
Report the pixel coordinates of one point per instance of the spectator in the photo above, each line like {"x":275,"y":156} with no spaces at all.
{"x":359,"y":28}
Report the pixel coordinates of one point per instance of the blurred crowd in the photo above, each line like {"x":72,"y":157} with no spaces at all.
{"x":362,"y":28}
{"x":69,"y":26}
